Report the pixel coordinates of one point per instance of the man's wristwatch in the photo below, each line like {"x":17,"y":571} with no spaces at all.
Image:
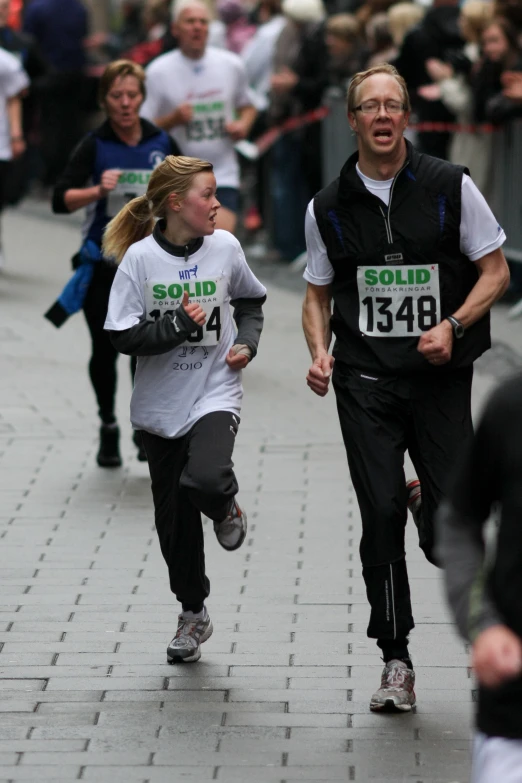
{"x":458,"y":328}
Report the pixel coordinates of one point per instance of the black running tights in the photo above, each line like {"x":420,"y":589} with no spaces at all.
{"x":102,"y":364}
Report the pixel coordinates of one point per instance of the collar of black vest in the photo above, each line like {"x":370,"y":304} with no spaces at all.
{"x":180,"y":251}
{"x":106,"y":131}
{"x":350,"y":184}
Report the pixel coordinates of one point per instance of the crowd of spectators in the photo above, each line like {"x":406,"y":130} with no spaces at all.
{"x":462,"y":63}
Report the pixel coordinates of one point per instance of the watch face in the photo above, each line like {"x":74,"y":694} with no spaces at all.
{"x":459,"y":331}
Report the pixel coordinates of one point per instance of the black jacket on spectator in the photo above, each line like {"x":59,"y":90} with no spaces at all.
{"x":436,"y":36}
{"x":312,"y":70}
{"x":490,"y":104}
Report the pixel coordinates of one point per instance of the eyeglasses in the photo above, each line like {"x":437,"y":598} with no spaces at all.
{"x":372,"y":107}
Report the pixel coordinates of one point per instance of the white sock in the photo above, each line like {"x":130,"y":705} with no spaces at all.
{"x":195,"y":615}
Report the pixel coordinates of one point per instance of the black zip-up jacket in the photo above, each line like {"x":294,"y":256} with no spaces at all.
{"x":484,"y":583}
{"x":421,"y":226}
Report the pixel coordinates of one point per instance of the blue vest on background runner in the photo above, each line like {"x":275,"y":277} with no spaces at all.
{"x":136,"y":163}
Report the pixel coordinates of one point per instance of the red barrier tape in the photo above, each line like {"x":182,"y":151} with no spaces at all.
{"x":452,"y":127}
{"x":254,"y":149}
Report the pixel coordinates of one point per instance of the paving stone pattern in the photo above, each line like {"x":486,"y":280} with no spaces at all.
{"x":281,"y":692}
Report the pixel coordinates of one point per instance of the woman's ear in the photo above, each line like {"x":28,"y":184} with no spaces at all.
{"x":173,"y":202}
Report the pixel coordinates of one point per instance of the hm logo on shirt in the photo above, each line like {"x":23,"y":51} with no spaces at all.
{"x":185,"y":274}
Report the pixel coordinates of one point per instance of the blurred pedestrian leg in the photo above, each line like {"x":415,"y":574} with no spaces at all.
{"x":60,"y":28}
{"x":289,"y":197}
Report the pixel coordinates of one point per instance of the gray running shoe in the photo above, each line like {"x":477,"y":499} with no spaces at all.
{"x":413,"y":487}
{"x":191,"y":633}
{"x":231,"y":532}
{"x":396,"y":691}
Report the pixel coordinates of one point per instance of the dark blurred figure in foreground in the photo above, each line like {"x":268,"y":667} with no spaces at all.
{"x":437,"y":36}
{"x":484,"y":579}
{"x":60,"y":28}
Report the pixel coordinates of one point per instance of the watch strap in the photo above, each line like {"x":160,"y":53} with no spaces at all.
{"x":456,"y":325}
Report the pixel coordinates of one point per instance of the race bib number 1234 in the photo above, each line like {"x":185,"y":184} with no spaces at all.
{"x":398,"y":301}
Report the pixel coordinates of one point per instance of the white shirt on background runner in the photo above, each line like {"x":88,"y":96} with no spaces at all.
{"x":13,"y":79}
{"x":175,"y":389}
{"x":480,"y":232}
{"x":258,"y":56}
{"x":216,"y":86}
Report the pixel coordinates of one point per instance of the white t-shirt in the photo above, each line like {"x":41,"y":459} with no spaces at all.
{"x":174,"y":390}
{"x":216,"y":86}
{"x":480,"y":232}
{"x":13,"y":79}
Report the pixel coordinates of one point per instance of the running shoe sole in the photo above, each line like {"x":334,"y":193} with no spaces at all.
{"x":241,"y":538}
{"x":390,"y":706}
{"x":174,"y":656}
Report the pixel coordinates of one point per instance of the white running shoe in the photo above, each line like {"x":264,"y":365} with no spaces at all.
{"x":231,"y":532}
{"x":396,"y":691}
{"x":192,"y":632}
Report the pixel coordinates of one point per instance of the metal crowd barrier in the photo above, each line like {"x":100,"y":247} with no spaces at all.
{"x":339,"y":142}
{"x":507,"y":200}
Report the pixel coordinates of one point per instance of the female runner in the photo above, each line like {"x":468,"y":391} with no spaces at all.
{"x":111,"y":165}
{"x":170,"y":307}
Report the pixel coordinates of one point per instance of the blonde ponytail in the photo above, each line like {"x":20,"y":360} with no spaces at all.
{"x":132,"y":223}
{"x":137,"y":218}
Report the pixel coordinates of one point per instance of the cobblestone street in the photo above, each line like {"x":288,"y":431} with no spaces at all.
{"x":282,"y":689}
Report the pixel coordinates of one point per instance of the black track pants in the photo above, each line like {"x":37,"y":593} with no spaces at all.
{"x":191,"y":475}
{"x":381,"y":418}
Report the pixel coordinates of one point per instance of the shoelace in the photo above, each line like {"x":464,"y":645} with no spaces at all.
{"x":395,"y":677}
{"x":188,"y":631}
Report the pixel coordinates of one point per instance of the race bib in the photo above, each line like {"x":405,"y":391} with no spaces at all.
{"x":208,"y":122}
{"x":131,"y":184}
{"x":398,"y":301}
{"x":163,"y":298}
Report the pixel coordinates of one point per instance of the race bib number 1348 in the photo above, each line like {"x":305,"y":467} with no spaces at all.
{"x":398,"y":301}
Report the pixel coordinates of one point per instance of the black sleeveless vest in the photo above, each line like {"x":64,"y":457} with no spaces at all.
{"x":420,"y":227}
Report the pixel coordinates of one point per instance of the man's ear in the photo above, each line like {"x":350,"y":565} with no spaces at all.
{"x":174,"y":29}
{"x":352,"y":119}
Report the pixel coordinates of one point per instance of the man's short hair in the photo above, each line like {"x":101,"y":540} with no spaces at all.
{"x":178,"y":6}
{"x":361,"y":77}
